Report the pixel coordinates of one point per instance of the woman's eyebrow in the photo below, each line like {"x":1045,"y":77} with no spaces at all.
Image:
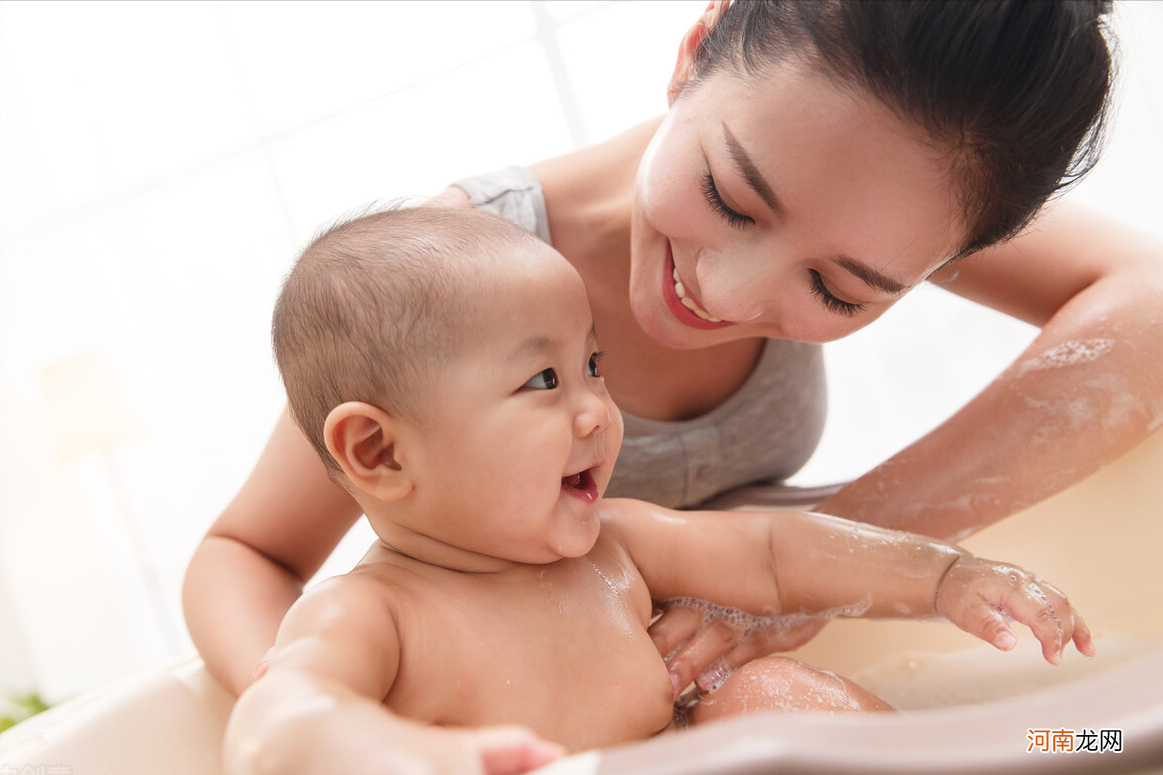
{"x":746,"y":167}
{"x":869,"y":276}
{"x":750,"y":172}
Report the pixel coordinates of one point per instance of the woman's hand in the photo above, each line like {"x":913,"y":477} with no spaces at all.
{"x":981,"y":597}
{"x":701,"y":643}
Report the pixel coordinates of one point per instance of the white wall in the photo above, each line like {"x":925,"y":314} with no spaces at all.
{"x":160,"y":163}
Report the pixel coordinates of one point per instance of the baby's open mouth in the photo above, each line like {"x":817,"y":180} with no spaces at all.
{"x":581,"y":484}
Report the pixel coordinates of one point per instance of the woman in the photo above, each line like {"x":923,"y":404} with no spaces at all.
{"x":817,"y":162}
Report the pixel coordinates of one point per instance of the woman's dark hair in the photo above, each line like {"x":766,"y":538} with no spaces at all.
{"x":1018,"y":90}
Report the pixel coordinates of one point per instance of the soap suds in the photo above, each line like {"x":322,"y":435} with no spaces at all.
{"x":1072,"y":353}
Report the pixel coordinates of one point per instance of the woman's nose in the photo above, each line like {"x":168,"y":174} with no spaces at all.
{"x":739,"y":285}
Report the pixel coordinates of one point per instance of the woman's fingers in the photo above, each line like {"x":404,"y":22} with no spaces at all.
{"x":703,"y":650}
{"x":789,"y":635}
{"x":674,"y":627}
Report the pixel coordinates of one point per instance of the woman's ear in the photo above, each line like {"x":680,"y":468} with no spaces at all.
{"x":364,"y":441}
{"x":690,"y":44}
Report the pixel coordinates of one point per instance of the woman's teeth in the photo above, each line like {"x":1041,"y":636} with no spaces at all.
{"x":689,"y":303}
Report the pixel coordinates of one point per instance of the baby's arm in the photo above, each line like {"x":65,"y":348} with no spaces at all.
{"x":318,"y":708}
{"x":782,"y":563}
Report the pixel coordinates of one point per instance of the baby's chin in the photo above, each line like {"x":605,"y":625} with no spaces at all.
{"x":583,"y":537}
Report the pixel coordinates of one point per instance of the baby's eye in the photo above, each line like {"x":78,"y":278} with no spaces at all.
{"x":543,"y":380}
{"x":592,"y":367}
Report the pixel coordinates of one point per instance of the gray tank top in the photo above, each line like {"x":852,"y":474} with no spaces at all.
{"x":765,"y":431}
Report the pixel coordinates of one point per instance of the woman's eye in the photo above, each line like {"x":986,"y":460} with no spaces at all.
{"x":715,"y":200}
{"x":543,"y":380}
{"x":592,"y":367}
{"x":839,"y":306}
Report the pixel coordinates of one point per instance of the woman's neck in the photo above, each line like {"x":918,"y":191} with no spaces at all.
{"x":588,"y":193}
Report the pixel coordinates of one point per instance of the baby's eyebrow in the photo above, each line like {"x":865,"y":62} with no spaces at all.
{"x":539,"y":345}
{"x":534,"y":345}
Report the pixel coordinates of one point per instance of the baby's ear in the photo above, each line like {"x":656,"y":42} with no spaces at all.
{"x":363,"y":440}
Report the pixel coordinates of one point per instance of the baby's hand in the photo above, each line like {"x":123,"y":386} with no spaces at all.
{"x":433,"y":750}
{"x":513,"y":750}
{"x":981,"y":597}
{"x":508,"y":750}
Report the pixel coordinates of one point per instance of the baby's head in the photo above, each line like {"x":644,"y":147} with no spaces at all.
{"x":442,"y":363}
{"x":373,"y":310}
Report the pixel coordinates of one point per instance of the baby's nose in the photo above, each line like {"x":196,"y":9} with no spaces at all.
{"x":593,"y":415}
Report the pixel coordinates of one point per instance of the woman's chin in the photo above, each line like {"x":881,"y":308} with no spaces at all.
{"x":657,"y":322}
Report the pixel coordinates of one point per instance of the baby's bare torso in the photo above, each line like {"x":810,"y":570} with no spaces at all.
{"x":560,"y":648}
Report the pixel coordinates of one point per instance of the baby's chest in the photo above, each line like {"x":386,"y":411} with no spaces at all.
{"x":570,"y":658}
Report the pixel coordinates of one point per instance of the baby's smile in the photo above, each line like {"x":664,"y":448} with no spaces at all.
{"x":581,"y":485}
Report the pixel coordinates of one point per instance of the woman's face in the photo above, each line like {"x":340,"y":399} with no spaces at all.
{"x":787,"y":207}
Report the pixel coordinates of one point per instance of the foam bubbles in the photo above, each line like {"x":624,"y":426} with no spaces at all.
{"x":1072,"y":353}
{"x":745,"y":624}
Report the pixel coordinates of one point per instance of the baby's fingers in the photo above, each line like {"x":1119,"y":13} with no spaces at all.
{"x":1082,"y":638}
{"x":514,"y":750}
{"x":991,"y":626}
{"x":1045,"y":611}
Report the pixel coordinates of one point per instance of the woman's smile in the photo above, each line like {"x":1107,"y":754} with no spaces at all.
{"x":681,"y":302}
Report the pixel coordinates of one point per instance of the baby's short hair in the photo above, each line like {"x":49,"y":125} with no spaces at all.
{"x":374,"y":308}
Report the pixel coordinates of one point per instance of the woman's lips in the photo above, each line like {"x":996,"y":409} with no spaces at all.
{"x":689,"y":313}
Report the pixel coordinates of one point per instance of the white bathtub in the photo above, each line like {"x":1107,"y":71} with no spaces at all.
{"x":967,"y":708}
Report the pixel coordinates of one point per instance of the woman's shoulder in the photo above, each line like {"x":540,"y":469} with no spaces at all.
{"x":453,"y":196}
{"x":513,"y":193}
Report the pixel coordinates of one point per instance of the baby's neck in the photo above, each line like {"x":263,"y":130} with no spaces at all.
{"x":390,"y":525}
{"x":427,"y":550}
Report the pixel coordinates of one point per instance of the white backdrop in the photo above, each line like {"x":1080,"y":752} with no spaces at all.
{"x":161,"y":163}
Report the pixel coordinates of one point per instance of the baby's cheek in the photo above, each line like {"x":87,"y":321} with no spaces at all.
{"x":614,"y":436}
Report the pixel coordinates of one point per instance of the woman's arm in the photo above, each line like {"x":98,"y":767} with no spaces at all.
{"x":254,"y":560}
{"x":1088,"y":389}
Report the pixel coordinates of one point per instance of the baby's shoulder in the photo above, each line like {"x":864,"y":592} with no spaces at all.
{"x":353,"y":608}
{"x":363,"y":588}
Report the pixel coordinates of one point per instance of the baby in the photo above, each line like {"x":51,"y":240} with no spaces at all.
{"x":444,"y":365}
